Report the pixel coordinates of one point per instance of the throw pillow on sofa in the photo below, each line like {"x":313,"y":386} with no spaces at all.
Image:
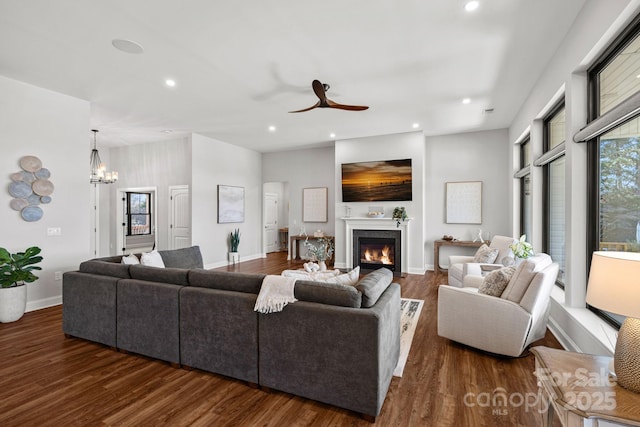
{"x":152,"y":259}
{"x":485,"y":255}
{"x":495,"y":282}
{"x":130,"y":259}
{"x":350,"y":278}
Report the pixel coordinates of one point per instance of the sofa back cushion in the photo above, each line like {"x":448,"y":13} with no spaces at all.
{"x":226,"y":281}
{"x":175,"y":276}
{"x":182,"y":258}
{"x":523,"y":276}
{"x":328,"y":293}
{"x":373,"y":285}
{"x":106,"y":268}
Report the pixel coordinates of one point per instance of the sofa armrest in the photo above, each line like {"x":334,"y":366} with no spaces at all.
{"x":482,"y":321}
{"x":472,"y":281}
{"x":460,"y":259}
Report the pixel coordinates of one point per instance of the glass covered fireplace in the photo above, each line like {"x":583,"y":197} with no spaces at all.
{"x":373,"y":249}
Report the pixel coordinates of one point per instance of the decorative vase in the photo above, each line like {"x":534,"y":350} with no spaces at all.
{"x":323,"y":265}
{"x":13,"y":303}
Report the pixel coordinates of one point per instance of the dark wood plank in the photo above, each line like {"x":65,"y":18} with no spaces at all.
{"x":48,"y":379}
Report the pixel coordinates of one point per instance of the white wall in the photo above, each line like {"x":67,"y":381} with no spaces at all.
{"x":385,"y":147}
{"x":303,"y":169}
{"x":218,"y":163}
{"x":474,"y":156}
{"x":593,"y":30}
{"x":54,"y":128}
{"x":156,"y":164}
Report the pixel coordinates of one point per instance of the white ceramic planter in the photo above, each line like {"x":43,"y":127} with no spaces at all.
{"x":234,"y":257}
{"x":13,"y":303}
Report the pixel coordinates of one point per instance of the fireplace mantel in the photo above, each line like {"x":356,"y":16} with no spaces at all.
{"x":365,"y":223}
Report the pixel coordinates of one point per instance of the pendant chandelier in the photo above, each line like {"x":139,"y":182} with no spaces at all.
{"x":99,"y":175}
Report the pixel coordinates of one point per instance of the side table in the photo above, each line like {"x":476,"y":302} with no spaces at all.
{"x":578,"y":389}
{"x":436,"y":250}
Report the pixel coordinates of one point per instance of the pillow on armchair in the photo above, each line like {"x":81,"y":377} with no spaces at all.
{"x":496,"y":282}
{"x":485,"y":255}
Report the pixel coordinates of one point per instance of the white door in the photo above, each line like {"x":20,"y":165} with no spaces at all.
{"x":179,"y":217}
{"x":270,"y":222}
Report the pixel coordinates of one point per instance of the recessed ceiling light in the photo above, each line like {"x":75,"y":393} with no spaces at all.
{"x":470,"y":6}
{"x":272,"y":128}
{"x":127,"y":46}
{"x":332,"y":135}
{"x":466,"y":101}
{"x":170,"y":82}
{"x":415,"y":125}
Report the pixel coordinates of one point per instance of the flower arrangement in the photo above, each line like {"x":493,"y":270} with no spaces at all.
{"x":321,"y":251}
{"x":399,"y":214}
{"x":522,"y":249}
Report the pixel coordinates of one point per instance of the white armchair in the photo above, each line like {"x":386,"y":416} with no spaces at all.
{"x":503,"y":325}
{"x":458,"y":263}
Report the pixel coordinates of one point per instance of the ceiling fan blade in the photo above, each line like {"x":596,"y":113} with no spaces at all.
{"x":316,"y":105}
{"x":332,"y":104}
{"x":318,"y":88}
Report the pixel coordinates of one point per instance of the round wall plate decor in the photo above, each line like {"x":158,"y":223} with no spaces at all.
{"x":30,"y":163}
{"x":42,"y":187}
{"x":19,"y":189}
{"x":31,"y":213}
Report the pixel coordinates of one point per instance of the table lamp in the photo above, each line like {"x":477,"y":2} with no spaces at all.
{"x":614,"y":286}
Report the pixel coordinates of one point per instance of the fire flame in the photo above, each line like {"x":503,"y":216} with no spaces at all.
{"x":382,"y":257}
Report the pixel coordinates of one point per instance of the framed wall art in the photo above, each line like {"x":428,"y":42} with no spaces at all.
{"x":314,"y":204}
{"x":464,"y":202}
{"x":230,"y":204}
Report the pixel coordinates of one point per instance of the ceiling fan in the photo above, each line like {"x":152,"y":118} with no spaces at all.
{"x":320,"y":90}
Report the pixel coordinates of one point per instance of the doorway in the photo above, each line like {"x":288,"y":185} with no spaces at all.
{"x":179,"y":217}
{"x":137,"y":220}
{"x":275,"y":216}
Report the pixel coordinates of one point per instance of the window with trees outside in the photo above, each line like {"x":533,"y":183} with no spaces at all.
{"x":138,"y":212}
{"x":553,"y":161}
{"x":614,"y":154}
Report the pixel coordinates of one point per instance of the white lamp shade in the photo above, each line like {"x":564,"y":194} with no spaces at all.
{"x":614,"y":282}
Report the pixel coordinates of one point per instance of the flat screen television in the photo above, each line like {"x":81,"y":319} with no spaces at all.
{"x":379,"y":181}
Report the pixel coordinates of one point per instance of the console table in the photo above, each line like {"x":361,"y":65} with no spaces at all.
{"x":294,"y":246}
{"x":436,"y":250}
{"x":577,"y":387}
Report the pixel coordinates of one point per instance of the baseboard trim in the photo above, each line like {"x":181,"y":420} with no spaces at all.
{"x":43,"y":303}
{"x":219,"y":264}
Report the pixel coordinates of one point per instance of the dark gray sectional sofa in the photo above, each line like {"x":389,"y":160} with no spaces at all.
{"x":337,"y":344}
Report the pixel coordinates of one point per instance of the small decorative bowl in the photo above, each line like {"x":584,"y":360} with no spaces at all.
{"x":376,"y":214}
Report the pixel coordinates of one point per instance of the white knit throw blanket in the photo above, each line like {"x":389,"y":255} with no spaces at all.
{"x":275,"y":293}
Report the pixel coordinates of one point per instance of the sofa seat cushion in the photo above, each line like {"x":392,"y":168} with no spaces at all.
{"x":174,"y":276}
{"x":226,"y":281}
{"x":327,"y":293}
{"x":373,"y":285}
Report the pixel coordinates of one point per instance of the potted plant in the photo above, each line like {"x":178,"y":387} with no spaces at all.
{"x":522,"y":249}
{"x":15,"y":271}
{"x":399,"y":214}
{"x":234,"y":242}
{"x":320,"y":252}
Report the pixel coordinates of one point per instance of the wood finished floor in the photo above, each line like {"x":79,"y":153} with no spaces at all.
{"x":49,"y":380}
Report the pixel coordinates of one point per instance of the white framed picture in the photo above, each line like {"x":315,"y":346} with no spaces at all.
{"x":230,"y":204}
{"x":464,"y":202}
{"x":314,"y":204}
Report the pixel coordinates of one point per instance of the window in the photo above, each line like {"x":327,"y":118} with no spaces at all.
{"x":553,"y":161}
{"x":138,"y":213}
{"x":524,"y":174}
{"x":614,"y":152}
